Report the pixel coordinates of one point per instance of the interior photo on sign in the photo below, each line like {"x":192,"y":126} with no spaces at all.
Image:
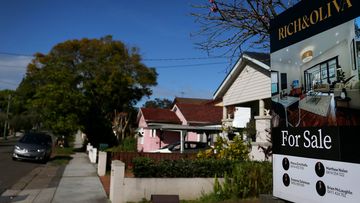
{"x":315,"y":82}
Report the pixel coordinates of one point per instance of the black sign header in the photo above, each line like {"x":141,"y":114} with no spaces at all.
{"x":308,"y":18}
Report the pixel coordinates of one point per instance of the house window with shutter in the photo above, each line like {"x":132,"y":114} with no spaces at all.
{"x":153,"y":133}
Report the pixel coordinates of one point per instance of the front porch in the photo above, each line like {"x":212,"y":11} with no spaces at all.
{"x":255,"y":129}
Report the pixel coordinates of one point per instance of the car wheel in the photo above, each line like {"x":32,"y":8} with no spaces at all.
{"x":45,"y":160}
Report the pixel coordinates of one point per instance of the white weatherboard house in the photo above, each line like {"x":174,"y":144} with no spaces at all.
{"x":246,"y":93}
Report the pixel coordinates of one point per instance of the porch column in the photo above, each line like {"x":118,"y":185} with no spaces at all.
{"x":225,"y":113}
{"x":182,"y":138}
{"x":263,"y":126}
{"x":261,"y":108}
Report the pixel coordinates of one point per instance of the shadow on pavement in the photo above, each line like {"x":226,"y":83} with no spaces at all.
{"x":59,"y":157}
{"x":8,"y":199}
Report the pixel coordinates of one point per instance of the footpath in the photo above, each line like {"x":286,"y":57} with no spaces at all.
{"x":80,"y":182}
{"x":75,"y":182}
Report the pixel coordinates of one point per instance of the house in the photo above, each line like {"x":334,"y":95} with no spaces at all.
{"x":190,"y":119}
{"x":151,"y":139}
{"x":245,"y":94}
{"x":317,"y":69}
{"x":202,"y":114}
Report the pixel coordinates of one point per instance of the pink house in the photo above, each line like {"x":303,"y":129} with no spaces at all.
{"x":150,"y":138}
{"x":198,"y":115}
{"x":198,"y":118}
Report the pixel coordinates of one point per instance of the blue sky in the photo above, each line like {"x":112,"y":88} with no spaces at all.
{"x":160,"y":28}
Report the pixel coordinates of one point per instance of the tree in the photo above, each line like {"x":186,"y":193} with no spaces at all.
{"x":158,"y":103}
{"x":80,"y":83}
{"x":234,"y":26}
{"x":120,"y":124}
{"x":5,"y":100}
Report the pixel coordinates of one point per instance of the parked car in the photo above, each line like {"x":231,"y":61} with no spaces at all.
{"x":33,"y":146}
{"x":189,"y":147}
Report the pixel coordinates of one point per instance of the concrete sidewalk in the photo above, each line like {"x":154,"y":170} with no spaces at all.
{"x":80,"y":182}
{"x":38,"y":186}
{"x":77,"y":183}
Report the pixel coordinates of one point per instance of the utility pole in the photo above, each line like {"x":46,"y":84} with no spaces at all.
{"x":7,"y":117}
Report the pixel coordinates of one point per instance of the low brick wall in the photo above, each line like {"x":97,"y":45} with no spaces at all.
{"x":135,"y":189}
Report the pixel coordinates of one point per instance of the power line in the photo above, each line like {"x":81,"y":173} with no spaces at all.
{"x":184,"y":59}
{"x":15,"y":54}
{"x":145,"y":59}
{"x":13,"y":66}
{"x":7,"y":83}
{"x":149,"y":59}
{"x":160,"y":67}
{"x":190,"y":65}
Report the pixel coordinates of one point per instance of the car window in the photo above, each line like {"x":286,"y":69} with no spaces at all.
{"x":176,"y":148}
{"x":193,"y":146}
{"x":201,"y":145}
{"x":42,"y":139}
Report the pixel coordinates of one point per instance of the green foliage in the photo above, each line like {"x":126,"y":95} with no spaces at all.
{"x":63,"y":151}
{"x":340,"y":74}
{"x":129,"y":144}
{"x":247,"y":180}
{"x":146,"y":167}
{"x":250,"y":129}
{"x":80,"y":83}
{"x":231,"y":150}
{"x":158,"y":103}
{"x":61,"y":156}
{"x":24,"y":121}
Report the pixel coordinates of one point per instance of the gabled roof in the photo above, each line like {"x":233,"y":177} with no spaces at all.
{"x":159,"y":116}
{"x":260,"y":61}
{"x":196,"y":114}
{"x":262,"y":57}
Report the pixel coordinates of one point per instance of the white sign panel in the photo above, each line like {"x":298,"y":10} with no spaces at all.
{"x":241,"y":117}
{"x":314,"y":180}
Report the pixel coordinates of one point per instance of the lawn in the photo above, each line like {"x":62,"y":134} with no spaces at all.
{"x":61,"y":155}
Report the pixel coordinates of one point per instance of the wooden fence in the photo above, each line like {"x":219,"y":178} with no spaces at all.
{"x":127,"y":157}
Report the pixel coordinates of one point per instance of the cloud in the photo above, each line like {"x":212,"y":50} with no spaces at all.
{"x":12,"y":70}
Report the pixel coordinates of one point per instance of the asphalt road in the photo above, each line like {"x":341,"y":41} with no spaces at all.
{"x":11,"y":171}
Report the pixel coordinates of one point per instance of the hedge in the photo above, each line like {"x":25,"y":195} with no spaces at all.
{"x":146,"y":167}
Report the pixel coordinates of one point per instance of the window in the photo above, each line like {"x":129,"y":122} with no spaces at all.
{"x":274,"y":83}
{"x":283,"y":81}
{"x":322,"y":73}
{"x":153,"y":133}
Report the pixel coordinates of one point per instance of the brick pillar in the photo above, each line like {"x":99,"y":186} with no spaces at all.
{"x":117,"y":182}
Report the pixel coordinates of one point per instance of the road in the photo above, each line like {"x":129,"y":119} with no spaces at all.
{"x":11,"y":171}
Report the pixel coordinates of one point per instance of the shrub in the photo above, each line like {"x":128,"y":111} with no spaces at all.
{"x":232,"y":150}
{"x":146,"y":167}
{"x":129,"y":144}
{"x":247,"y":180}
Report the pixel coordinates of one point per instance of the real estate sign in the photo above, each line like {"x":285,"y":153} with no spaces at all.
{"x":316,"y":101}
